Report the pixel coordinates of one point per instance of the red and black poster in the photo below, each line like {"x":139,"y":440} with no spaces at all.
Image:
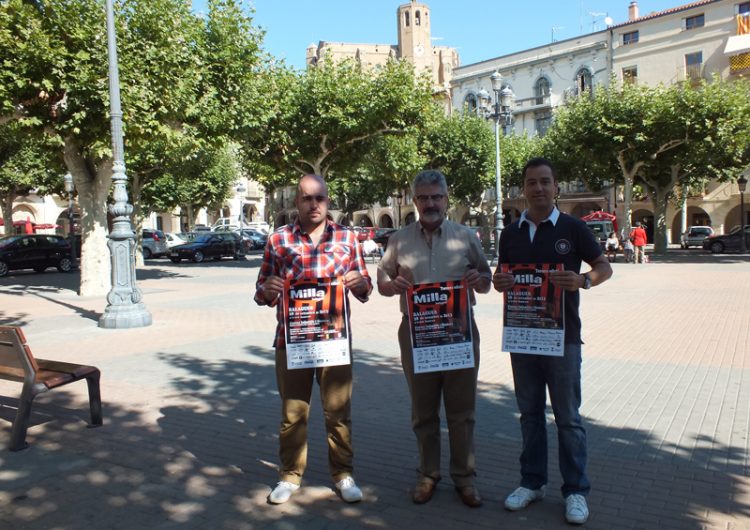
{"x":440,"y":322}
{"x":533,"y":316}
{"x":316,"y":323}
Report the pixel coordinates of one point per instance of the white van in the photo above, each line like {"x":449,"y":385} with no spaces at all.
{"x":234,"y":222}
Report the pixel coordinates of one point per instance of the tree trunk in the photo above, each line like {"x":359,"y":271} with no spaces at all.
{"x":684,"y":209}
{"x":189,"y":216}
{"x":661,"y":199}
{"x":93,"y":185}
{"x":135,"y":200}
{"x":662,"y":191}
{"x":8,"y":212}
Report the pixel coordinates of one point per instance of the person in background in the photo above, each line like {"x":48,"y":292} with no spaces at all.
{"x":612,"y":245}
{"x":639,"y":239}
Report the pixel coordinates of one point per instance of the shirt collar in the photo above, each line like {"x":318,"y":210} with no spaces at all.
{"x":438,"y":230}
{"x":552,"y":217}
{"x":297,"y":229}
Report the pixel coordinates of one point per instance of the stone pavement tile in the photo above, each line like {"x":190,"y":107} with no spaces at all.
{"x":191,"y":411}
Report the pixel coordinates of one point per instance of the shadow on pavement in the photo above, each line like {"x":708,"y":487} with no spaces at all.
{"x":695,"y":256}
{"x":209,"y":461}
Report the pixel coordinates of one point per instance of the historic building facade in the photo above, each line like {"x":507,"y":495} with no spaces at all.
{"x":692,"y":41}
{"x":414,"y":44}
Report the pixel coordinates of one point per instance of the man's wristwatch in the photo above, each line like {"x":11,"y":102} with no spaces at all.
{"x":586,"y":281}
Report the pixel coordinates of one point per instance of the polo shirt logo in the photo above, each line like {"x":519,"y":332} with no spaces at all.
{"x":563,"y":246}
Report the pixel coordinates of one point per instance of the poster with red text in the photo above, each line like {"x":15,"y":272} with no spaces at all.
{"x":440,"y":325}
{"x":533,"y":317}
{"x":316,"y":323}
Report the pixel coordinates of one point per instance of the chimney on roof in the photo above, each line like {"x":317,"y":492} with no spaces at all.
{"x":633,"y":10}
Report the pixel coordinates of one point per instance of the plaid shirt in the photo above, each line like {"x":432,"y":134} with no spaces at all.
{"x":291,"y":255}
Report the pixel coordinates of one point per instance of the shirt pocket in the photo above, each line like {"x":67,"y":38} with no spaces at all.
{"x":341,"y":255}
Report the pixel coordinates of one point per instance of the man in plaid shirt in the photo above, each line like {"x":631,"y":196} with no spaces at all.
{"x":312,"y":247}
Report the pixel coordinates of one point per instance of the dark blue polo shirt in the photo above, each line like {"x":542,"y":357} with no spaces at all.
{"x":569,"y":242}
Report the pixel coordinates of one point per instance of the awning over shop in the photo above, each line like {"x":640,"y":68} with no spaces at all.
{"x":737,"y":44}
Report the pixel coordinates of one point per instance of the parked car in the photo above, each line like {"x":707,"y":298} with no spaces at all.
{"x":694,"y":236}
{"x":201,"y":228}
{"x":382,"y":235}
{"x":208,"y":245}
{"x":178,"y":238}
{"x":255,"y":239}
{"x":601,"y":230}
{"x":154,"y":244}
{"x":34,"y":251}
{"x":730,"y":241}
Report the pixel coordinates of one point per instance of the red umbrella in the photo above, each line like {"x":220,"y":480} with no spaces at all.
{"x":28,"y":228}
{"x":601,"y":215}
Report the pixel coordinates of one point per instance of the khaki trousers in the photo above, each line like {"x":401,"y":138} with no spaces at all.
{"x":295,"y":388}
{"x":458,"y":389}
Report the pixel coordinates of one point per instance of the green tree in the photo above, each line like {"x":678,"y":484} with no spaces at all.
{"x":182,"y":79}
{"x":663,"y":136}
{"x":328,"y":118}
{"x":28,"y":161}
{"x":612,"y":136}
{"x":715,"y":121}
{"x":462,"y":147}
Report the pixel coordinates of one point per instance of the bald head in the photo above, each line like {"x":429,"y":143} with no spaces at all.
{"x":311,"y":178}
{"x":311,"y":201}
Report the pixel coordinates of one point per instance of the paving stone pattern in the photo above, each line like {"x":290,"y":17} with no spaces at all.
{"x":191,"y":410}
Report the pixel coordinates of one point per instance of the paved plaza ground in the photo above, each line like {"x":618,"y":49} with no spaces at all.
{"x":192,"y":412}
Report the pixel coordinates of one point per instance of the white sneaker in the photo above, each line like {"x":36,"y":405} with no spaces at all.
{"x":282,"y":492}
{"x":522,"y":497}
{"x":576,"y":510}
{"x":349,"y":490}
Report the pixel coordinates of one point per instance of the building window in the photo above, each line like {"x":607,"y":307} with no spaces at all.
{"x":583,"y":81}
{"x":417,"y":18}
{"x":693,"y":66}
{"x":406,"y":18}
{"x":543,"y":121}
{"x":470,"y":104}
{"x":630,"y":75}
{"x":541,"y":90}
{"x":697,"y":21}
{"x":629,"y":38}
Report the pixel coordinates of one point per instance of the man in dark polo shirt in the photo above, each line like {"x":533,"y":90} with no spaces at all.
{"x":545,"y":235}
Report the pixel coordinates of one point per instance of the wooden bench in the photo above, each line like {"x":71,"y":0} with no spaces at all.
{"x":37,"y":375}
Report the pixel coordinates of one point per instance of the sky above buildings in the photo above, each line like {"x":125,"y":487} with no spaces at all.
{"x":478,"y":30}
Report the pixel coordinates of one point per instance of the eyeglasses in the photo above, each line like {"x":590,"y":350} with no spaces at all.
{"x":316,"y":198}
{"x":434,"y":198}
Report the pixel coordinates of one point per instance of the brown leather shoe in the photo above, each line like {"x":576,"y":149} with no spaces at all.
{"x":469,"y":496}
{"x":423,"y":491}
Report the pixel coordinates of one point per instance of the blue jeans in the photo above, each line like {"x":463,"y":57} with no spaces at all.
{"x":532,"y":375}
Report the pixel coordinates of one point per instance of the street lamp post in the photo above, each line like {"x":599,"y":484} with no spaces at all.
{"x":502,"y":114}
{"x":397,"y":197}
{"x":241,"y":189}
{"x":124,"y":307}
{"x":70,"y":188}
{"x":742,"y":185}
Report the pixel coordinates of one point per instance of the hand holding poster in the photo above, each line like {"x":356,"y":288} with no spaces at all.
{"x":440,"y":324}
{"x":533,"y":311}
{"x":315,"y":323}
